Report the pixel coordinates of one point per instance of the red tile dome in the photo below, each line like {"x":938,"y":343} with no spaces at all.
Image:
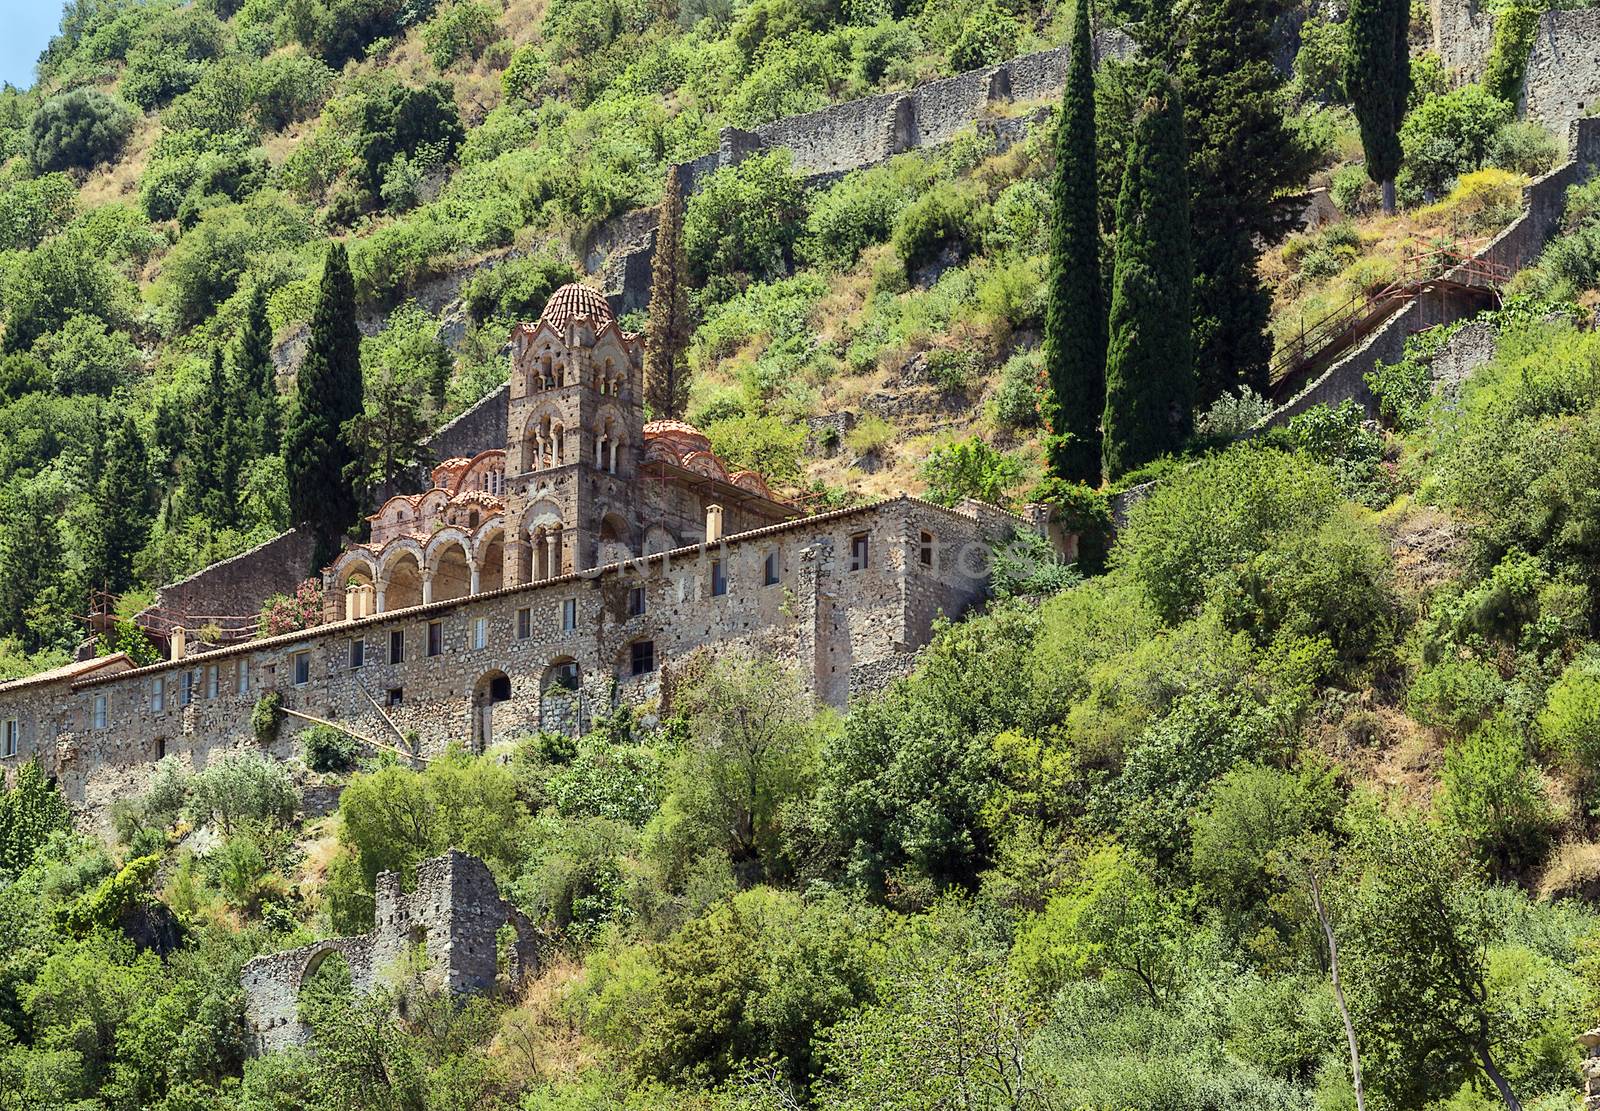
{"x":573,"y":301}
{"x":674,"y":438}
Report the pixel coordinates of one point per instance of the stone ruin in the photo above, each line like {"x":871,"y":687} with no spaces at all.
{"x":453,"y":918}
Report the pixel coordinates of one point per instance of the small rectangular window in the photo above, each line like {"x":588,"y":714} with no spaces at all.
{"x":769,"y":570}
{"x":524,"y":623}
{"x":243,"y":676}
{"x":397,"y":647}
{"x":643,"y":657}
{"x":636,"y":602}
{"x":358,"y":653}
{"x":302,"y":668}
{"x":858,"y":552}
{"x":212,"y":683}
{"x":99,"y":711}
{"x":161,"y":748}
{"x":569,"y":615}
{"x":480,"y":633}
{"x":396,"y":696}
{"x":435,"y":637}
{"x":10,"y":738}
{"x":158,"y":694}
{"x":925,"y":546}
{"x":719,"y":580}
{"x":187,"y":695}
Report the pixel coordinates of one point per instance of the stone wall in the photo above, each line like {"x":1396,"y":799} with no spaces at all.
{"x":477,"y":429}
{"x":1462,"y":35}
{"x":451,"y":919}
{"x":238,"y":586}
{"x":1563,"y":76}
{"x":499,"y":653}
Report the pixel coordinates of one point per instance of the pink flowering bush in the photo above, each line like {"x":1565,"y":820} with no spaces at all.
{"x":283,"y":614}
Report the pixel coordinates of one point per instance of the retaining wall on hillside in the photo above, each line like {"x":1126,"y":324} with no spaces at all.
{"x":1514,"y":248}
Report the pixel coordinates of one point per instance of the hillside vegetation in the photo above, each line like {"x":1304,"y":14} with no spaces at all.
{"x":1333,"y":689}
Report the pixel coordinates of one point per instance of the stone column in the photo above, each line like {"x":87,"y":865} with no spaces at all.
{"x":427,"y":587}
{"x":552,"y":554}
{"x":473,"y":589}
{"x":378,"y":606}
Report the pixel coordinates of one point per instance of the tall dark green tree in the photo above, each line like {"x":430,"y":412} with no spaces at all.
{"x":327,"y":394}
{"x":256,"y":378}
{"x":1150,"y":359}
{"x":1245,"y":169}
{"x":1377,"y":73}
{"x":217,"y":445}
{"x":1075,"y":322}
{"x":122,"y":510}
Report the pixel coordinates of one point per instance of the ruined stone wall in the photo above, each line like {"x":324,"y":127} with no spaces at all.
{"x":477,"y":429}
{"x":842,"y":629}
{"x":240,"y":585}
{"x":451,"y":919}
{"x":1462,"y":35}
{"x":1562,"y":83}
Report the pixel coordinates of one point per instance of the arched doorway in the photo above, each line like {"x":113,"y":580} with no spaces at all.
{"x":491,"y":690}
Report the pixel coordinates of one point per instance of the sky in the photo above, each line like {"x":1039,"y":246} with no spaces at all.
{"x":27,"y":26}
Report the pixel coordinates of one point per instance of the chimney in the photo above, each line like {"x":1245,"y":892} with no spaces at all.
{"x":352,"y":601}
{"x":179,"y":647}
{"x":713,"y":523}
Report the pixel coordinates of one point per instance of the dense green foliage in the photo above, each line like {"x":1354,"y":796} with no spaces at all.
{"x":1377,"y":72}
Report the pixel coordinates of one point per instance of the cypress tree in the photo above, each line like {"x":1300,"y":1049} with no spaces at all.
{"x":1075,"y":322}
{"x":216,"y":447}
{"x":664,"y":386}
{"x":122,"y":509}
{"x":1377,"y":73}
{"x":1150,"y":359}
{"x":1245,"y":170}
{"x":256,"y":378}
{"x":327,"y":394}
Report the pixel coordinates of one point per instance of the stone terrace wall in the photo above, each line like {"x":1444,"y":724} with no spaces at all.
{"x":1563,"y":76}
{"x":1514,"y":248}
{"x":454,"y":914}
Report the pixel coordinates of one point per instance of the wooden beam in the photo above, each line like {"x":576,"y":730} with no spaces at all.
{"x":350,"y":732}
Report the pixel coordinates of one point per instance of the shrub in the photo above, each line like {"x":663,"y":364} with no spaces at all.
{"x":524,"y":76}
{"x":326,"y":749}
{"x":1353,"y":193}
{"x":1514,"y":27}
{"x":266,"y":718}
{"x":741,"y":226}
{"x":1481,"y":201}
{"x":32,"y":210}
{"x":1231,"y":416}
{"x":241,"y":787}
{"x":1403,"y":389}
{"x":1447,"y":136}
{"x":205,"y":266}
{"x":1455,"y":694}
{"x":970,"y":469}
{"x":1017,"y":401}
{"x":399,"y":120}
{"x":766,"y":444}
{"x":941,"y":218}
{"x":1525,"y":147}
{"x":286,"y":88}
{"x":1319,"y":63}
{"x":1493,"y":797}
{"x":77,"y":130}
{"x":988,"y":36}
{"x":849,"y":217}
{"x":1201,"y":523}
{"x":85,"y":358}
{"x":459,"y":29}
{"x":53,"y":283}
{"x":517,"y":288}
{"x":1028,"y":565}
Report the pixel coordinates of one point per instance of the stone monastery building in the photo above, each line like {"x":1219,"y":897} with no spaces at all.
{"x":585,"y":562}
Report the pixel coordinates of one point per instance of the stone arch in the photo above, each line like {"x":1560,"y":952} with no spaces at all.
{"x":657,"y":540}
{"x":449,"y":565}
{"x":353,"y":568}
{"x":610,"y":440}
{"x":489,"y":554}
{"x":614,"y":541}
{"x":538,"y":439}
{"x":491,"y":689}
{"x":400,"y":576}
{"x":904,"y":135}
